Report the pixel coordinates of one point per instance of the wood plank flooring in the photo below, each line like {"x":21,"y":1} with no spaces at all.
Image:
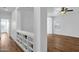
{"x":61,"y":43}
{"x":8,"y":45}
{"x":56,"y":43}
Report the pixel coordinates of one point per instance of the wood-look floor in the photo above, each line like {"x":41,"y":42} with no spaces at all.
{"x":56,"y":43}
{"x":60,"y":43}
{"x":8,"y":45}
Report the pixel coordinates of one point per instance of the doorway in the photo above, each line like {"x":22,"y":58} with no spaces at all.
{"x":4,"y":25}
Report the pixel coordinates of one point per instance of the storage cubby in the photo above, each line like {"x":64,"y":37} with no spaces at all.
{"x":25,"y":40}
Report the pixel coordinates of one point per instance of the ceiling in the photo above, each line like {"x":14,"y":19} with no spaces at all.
{"x":53,"y":11}
{"x":6,"y":9}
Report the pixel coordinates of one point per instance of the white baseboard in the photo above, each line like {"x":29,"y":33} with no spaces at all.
{"x":68,"y":35}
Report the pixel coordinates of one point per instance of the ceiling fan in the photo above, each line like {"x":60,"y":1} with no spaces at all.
{"x":64,"y":10}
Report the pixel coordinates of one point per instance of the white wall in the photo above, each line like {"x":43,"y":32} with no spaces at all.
{"x":67,"y":24}
{"x":13,"y":24}
{"x":40,"y":29}
{"x":27,"y":18}
{"x":5,"y":15}
{"x":0,"y":28}
{"x":43,"y":27}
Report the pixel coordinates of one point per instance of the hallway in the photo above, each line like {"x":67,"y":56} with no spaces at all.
{"x":8,"y":45}
{"x":23,"y":24}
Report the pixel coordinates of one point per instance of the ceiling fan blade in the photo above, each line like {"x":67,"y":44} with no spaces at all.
{"x":69,"y":10}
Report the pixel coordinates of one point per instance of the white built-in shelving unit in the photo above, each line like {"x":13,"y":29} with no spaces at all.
{"x":25,"y":40}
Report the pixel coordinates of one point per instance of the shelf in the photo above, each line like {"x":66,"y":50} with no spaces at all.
{"x":26,"y":33}
{"x":21,"y":46}
{"x":30,"y":42}
{"x":25,"y":40}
